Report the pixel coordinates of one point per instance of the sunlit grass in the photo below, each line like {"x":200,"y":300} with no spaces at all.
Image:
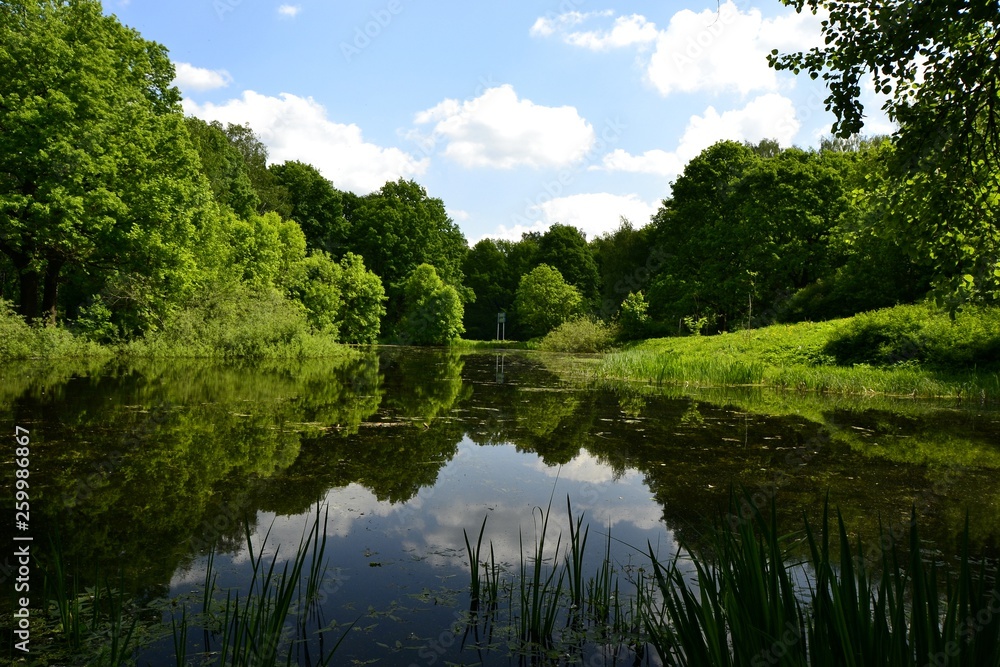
{"x":804,"y":357}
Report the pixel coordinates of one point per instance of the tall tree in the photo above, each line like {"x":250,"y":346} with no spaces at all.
{"x":96,"y":170}
{"x":224,"y":167}
{"x":315,"y":204}
{"x":433,"y":309}
{"x":545,"y":300}
{"x":937,"y":64}
{"x":400,"y":227}
{"x":270,"y":193}
{"x":565,"y":248}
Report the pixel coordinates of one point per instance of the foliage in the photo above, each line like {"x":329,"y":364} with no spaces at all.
{"x":544,"y":300}
{"x":489,"y":275}
{"x":315,"y":283}
{"x":269,"y":190}
{"x":400,"y":227}
{"x":625,"y":263}
{"x":315,"y":205}
{"x":581,"y":334}
{"x":935,"y":63}
{"x":633,"y":316}
{"x":740,"y":229}
{"x":263,"y":249}
{"x":235,"y":321}
{"x":922,"y":335}
{"x":96,"y":168}
{"x":565,"y":249}
{"x":223,"y":166}
{"x":433,"y":310}
{"x":363,"y":301}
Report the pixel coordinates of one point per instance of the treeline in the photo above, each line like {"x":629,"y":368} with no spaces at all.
{"x":751,"y":234}
{"x":124,"y":220}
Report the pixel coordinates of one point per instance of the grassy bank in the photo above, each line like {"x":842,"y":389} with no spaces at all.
{"x":903,"y":351}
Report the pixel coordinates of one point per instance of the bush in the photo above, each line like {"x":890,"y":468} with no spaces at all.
{"x":633,"y":317}
{"x":16,"y":337}
{"x":919,"y":334}
{"x":583,"y":334}
{"x":235,"y":321}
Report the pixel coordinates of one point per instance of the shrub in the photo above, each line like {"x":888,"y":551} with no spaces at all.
{"x":919,"y":334}
{"x":16,"y":336}
{"x":633,"y":317}
{"x":236,"y":321}
{"x":582,"y":334}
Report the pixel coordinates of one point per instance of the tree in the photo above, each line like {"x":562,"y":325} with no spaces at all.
{"x":363,"y":301}
{"x":565,"y":248}
{"x":270,"y":193}
{"x":544,"y":300}
{"x":433,"y":310}
{"x":741,"y":230}
{"x":343,"y":298}
{"x":400,"y":227}
{"x":97,"y":175}
{"x":315,"y":204}
{"x":487,"y":273}
{"x":224,"y":167}
{"x":937,"y":62}
{"x":625,"y":263}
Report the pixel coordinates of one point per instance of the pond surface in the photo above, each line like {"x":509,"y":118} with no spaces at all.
{"x":145,"y":468}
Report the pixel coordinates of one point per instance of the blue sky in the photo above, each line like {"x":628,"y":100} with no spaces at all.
{"x":515,"y":115}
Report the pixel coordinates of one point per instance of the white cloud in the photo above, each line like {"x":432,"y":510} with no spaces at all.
{"x":190,"y":78}
{"x":289,"y":11}
{"x":594,"y":213}
{"x":501,"y":131}
{"x":458,"y":214}
{"x":545,"y":26}
{"x":656,"y":161}
{"x":626,"y":31}
{"x":770,"y":116}
{"x":726,"y":49}
{"x":713,"y":50}
{"x":297,"y":128}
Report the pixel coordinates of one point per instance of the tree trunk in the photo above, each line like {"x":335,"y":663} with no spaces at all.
{"x":28,"y":307}
{"x":51,"y":291}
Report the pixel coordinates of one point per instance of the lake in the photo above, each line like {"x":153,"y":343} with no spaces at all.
{"x":140,"y":470}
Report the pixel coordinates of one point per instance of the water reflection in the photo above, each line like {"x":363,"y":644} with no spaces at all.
{"x":151,"y":464}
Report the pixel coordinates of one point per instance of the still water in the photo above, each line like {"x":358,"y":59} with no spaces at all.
{"x":142,"y":470}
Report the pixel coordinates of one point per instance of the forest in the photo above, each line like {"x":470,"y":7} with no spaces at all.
{"x":125,"y":223}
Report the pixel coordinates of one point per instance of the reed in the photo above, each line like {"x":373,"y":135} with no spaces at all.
{"x":744,"y":608}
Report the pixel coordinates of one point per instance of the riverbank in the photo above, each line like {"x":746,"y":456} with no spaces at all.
{"x":914,"y":351}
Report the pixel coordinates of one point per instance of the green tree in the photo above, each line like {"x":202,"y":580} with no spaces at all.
{"x":741,"y":233}
{"x":315,"y":205}
{"x":224,"y":167}
{"x":433,"y":310}
{"x":544,"y":300}
{"x":935,"y":61}
{"x":98,"y":178}
{"x":488,"y":274}
{"x":633,"y":316}
{"x":363,"y":301}
{"x":271,"y":194}
{"x":625,"y":263}
{"x":264,"y":249}
{"x":315,"y":283}
{"x":400,"y":227}
{"x":565,"y":248}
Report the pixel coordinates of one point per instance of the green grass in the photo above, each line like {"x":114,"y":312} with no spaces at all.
{"x":912,"y":351}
